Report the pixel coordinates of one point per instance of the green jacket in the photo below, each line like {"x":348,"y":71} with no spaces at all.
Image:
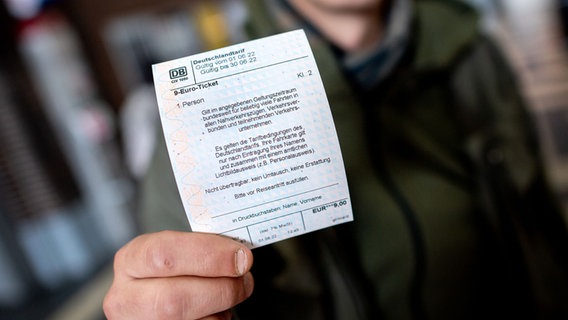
{"x":452,"y":216}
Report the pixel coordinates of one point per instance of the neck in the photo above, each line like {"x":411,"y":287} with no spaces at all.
{"x":351,"y":30}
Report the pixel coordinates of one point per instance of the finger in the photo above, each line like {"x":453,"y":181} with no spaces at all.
{"x":176,"y":297}
{"x":171,"y":254}
{"x":225,"y":315}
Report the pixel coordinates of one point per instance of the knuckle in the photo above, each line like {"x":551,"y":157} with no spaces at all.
{"x":119,"y":257}
{"x":170,"y":304}
{"x":122,"y":255}
{"x":111,"y":304}
{"x":152,"y":253}
{"x":158,"y":258}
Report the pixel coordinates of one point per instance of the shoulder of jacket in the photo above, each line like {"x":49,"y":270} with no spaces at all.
{"x":444,"y":29}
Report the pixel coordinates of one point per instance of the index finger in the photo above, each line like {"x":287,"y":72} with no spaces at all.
{"x":173,"y":253}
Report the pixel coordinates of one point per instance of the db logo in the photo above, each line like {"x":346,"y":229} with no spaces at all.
{"x":178,"y":73}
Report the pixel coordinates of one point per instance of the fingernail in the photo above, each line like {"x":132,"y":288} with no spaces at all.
{"x":241,"y":261}
{"x":227,"y":315}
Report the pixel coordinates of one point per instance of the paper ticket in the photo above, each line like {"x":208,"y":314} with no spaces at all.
{"x":252,"y":141}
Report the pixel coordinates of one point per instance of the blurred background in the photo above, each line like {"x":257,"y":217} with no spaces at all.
{"x":78,"y":117}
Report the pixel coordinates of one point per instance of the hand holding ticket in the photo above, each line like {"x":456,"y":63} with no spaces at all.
{"x":252,"y":142}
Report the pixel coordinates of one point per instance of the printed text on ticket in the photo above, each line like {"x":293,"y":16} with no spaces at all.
{"x":252,"y":142}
